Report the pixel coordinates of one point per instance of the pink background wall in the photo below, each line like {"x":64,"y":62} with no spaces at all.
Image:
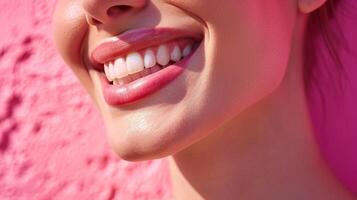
{"x":52,"y":140}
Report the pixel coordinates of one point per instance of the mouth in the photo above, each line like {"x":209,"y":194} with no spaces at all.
{"x":140,"y":62}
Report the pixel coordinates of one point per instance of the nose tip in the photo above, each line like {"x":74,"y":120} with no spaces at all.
{"x":103,"y":11}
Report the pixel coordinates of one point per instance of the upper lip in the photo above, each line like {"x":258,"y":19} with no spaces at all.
{"x":137,"y":39}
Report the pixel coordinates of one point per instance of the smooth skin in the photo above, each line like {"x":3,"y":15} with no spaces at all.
{"x":235,"y":124}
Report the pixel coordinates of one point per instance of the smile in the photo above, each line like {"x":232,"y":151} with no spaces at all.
{"x":138,"y":63}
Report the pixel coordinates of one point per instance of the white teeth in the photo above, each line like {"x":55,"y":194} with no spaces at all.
{"x":134,"y":63}
{"x":163,"y":57}
{"x":149,"y":58}
{"x":187,"y":50}
{"x":110,"y":71}
{"x":118,"y":71}
{"x":106,"y":71}
{"x":176,"y":54}
{"x":120,"y":68}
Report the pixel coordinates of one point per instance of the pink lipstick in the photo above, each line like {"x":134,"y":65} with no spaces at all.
{"x":162,"y":53}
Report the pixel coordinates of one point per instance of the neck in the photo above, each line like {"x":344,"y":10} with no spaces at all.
{"x":266,"y":152}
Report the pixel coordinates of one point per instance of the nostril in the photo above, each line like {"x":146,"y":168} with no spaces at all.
{"x":116,"y":10}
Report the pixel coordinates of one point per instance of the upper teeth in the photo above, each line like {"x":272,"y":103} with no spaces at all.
{"x":137,"y":61}
{"x":149,"y":58}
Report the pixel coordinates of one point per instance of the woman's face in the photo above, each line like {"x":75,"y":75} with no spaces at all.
{"x":154,"y":107}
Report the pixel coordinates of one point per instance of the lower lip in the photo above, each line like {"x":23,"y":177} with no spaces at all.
{"x":117,"y":95}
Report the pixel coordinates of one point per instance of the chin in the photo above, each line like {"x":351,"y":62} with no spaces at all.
{"x":145,"y":141}
{"x":153,"y":133}
{"x":150,"y":145}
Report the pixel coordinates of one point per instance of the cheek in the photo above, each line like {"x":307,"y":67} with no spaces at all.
{"x":248,"y":43}
{"x":247,"y":57}
{"x":70,"y":29}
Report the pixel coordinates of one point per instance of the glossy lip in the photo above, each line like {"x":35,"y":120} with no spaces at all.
{"x":135,"y":40}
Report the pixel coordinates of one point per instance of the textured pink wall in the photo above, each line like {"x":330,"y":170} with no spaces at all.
{"x":52,"y":140}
